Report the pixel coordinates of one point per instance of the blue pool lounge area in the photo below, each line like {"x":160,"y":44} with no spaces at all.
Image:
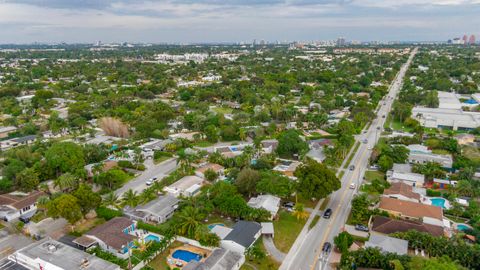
{"x":186,"y":256}
{"x":440,"y":202}
{"x":183,"y":255}
{"x":152,"y":237}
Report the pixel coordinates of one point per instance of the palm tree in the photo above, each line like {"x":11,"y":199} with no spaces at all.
{"x":42,"y":202}
{"x":300,"y":212}
{"x":130,"y":198}
{"x":147,"y":195}
{"x":66,"y":181}
{"x":189,"y":220}
{"x":111,"y":199}
{"x":184,"y":160}
{"x":142,"y":245}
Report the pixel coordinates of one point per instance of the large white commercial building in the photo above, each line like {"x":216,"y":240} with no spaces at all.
{"x":446,"y":118}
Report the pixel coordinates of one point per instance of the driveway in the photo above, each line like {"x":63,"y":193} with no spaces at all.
{"x":272,"y":249}
{"x":11,"y":243}
{"x":54,"y":228}
{"x":160,"y":171}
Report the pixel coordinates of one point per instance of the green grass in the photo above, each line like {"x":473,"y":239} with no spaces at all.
{"x":314,"y":222}
{"x":370,"y":175}
{"x":39,"y":216}
{"x":160,"y":262}
{"x":215,"y":218}
{"x":398,"y":126}
{"x":324,"y":203}
{"x":203,"y":144}
{"x":287,"y":227}
{"x":340,"y":175}
{"x":440,"y":151}
{"x":161,"y":159}
{"x":357,"y":145}
{"x":267,"y":263}
{"x":222,"y":110}
{"x":471,"y":152}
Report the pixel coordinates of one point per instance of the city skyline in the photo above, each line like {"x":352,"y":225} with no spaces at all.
{"x":186,"y":21}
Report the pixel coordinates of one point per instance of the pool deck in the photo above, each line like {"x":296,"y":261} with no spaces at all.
{"x":172,"y":261}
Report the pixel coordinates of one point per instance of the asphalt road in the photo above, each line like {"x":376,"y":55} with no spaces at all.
{"x":308,"y":255}
{"x":159,"y":170}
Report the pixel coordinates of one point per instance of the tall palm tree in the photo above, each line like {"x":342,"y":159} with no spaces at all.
{"x":142,"y":245}
{"x":66,"y":181}
{"x":300,"y":212}
{"x":130,"y":198}
{"x":189,"y":219}
{"x":111,"y":199}
{"x":184,"y":160}
{"x":42,"y":202}
{"x":147,"y":195}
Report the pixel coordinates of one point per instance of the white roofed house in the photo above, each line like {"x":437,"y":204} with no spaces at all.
{"x":187,"y":186}
{"x":268,"y":202}
{"x":412,"y":179}
{"x":158,"y":211}
{"x":17,"y":204}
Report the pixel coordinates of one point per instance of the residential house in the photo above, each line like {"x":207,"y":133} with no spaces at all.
{"x":219,"y":259}
{"x":446,"y":161}
{"x":387,"y":244}
{"x":183,"y":135}
{"x":49,"y":254}
{"x":444,"y":183}
{"x":269,"y":146}
{"x":5,"y":131}
{"x":18,"y":204}
{"x":187,"y":186}
{"x":268,"y":202}
{"x":25,"y":140}
{"x":153,"y":145}
{"x":402,"y":191}
{"x":287,"y":167}
{"x":231,"y":150}
{"x":112,"y":236}
{"x":157,"y":211}
{"x":412,"y":210}
{"x":385,"y":225}
{"x":218,"y":169}
{"x":243,"y":235}
{"x":412,"y":179}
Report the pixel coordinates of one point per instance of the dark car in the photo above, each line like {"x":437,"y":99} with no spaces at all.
{"x":288,"y":204}
{"x":360,"y":227}
{"x":327,"y":247}
{"x":352,"y":167}
{"x":327,"y":213}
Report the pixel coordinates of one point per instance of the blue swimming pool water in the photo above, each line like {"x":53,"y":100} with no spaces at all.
{"x":462,"y":227}
{"x":152,"y":237}
{"x":210,"y":227}
{"x":440,"y":202}
{"x":471,"y":101}
{"x":186,"y":255}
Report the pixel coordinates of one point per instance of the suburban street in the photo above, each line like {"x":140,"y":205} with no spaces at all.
{"x":306,"y":253}
{"x":160,"y":171}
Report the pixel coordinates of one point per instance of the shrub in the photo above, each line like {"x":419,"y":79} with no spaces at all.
{"x":160,"y":154}
{"x":107,"y":213}
{"x":433,"y":193}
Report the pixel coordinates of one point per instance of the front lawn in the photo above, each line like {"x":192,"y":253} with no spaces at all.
{"x":203,"y":144}
{"x":371,"y":175}
{"x":267,"y":263}
{"x":287,"y":228}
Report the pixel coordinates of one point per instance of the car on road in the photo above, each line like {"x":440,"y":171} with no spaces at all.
{"x":365,"y":141}
{"x":360,"y":227}
{"x":352,"y":186}
{"x":383,"y":116}
{"x":351,"y":168}
{"x":150,"y":181}
{"x":327,"y":247}
{"x":327,"y":214}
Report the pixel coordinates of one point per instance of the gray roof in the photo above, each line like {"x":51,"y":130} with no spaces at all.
{"x":244,"y":232}
{"x":219,"y":259}
{"x":25,"y":139}
{"x":388,"y":244}
{"x":64,"y":256}
{"x":160,"y":206}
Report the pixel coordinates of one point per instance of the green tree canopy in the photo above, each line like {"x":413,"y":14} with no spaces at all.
{"x":315,"y":180}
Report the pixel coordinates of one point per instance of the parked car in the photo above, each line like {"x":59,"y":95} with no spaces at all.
{"x":365,"y":141}
{"x":327,"y":246}
{"x":352,"y":167}
{"x":288,"y":204}
{"x":327,"y":213}
{"x":360,"y":227}
{"x":352,"y":186}
{"x":149,"y":182}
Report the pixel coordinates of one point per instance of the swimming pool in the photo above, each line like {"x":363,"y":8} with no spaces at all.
{"x":186,"y":255}
{"x":440,"y":202}
{"x":471,"y":101}
{"x":462,"y":227}
{"x":152,"y":237}
{"x":211,"y":226}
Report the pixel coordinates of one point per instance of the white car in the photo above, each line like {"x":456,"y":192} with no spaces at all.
{"x":149,"y":182}
{"x":352,"y":186}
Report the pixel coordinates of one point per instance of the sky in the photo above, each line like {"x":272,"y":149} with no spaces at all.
{"x":194,"y":21}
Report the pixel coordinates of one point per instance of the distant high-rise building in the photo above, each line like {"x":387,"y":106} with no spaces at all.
{"x":341,"y":41}
{"x":465,"y":39}
{"x":471,"y":40}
